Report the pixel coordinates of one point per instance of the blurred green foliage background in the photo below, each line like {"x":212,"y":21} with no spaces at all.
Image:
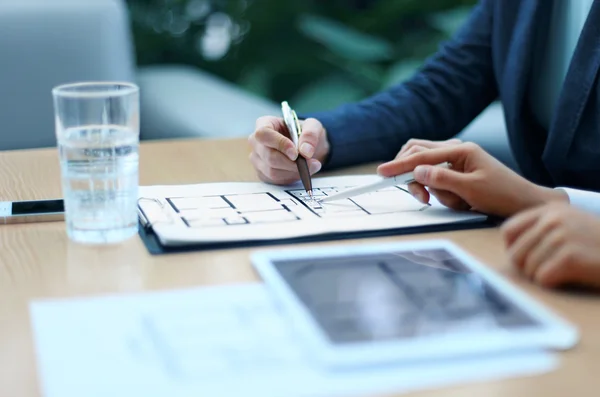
{"x":316,"y":54}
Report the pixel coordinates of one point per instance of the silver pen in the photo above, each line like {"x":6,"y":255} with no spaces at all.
{"x":403,"y":179}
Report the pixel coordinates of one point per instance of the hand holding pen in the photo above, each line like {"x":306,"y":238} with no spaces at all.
{"x":475,"y":180}
{"x":274,"y":154}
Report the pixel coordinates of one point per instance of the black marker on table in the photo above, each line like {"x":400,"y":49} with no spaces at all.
{"x":32,"y":211}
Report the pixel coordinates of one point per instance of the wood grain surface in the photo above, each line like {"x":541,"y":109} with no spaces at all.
{"x":38,"y":261}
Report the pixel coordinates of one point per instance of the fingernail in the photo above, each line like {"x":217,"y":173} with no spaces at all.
{"x":291,"y":153}
{"x":307,"y":149}
{"x":420,"y":196}
{"x":420,"y":173}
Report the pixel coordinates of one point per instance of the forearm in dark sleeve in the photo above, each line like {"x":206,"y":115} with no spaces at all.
{"x":443,"y":97}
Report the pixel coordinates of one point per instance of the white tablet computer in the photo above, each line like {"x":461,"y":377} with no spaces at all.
{"x":376,"y":304}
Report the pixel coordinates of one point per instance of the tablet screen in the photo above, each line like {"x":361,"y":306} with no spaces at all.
{"x":398,"y":295}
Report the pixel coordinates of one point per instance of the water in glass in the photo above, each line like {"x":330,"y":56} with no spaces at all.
{"x":100,"y":182}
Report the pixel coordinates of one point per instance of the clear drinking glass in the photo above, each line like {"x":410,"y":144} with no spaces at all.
{"x":97,"y":128}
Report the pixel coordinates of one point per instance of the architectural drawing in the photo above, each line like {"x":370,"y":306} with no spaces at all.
{"x":207,"y":213}
{"x":260,"y":208}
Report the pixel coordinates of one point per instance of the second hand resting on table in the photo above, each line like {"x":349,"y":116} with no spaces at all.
{"x":555,"y":245}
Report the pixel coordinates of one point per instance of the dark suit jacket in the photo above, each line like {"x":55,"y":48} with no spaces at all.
{"x":489,"y":58}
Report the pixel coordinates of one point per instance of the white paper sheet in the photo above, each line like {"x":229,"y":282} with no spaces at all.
{"x":217,"y":341}
{"x":220,"y":212}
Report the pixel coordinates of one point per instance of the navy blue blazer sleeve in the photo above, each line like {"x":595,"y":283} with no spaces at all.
{"x":444,"y":96}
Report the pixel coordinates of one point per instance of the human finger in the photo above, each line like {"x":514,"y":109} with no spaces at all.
{"x":278,"y":175}
{"x":453,"y":141}
{"x":283,"y":176}
{"x":541,"y":252}
{"x":529,"y":239}
{"x":286,"y":181}
{"x":312,"y":133}
{"x":273,"y":123}
{"x":419,"y":192}
{"x":314,"y":166}
{"x":441,"y":178}
{"x":271,"y":175}
{"x":454,"y":154}
{"x":425,"y":143}
{"x":412,"y":150}
{"x":275,"y":159}
{"x":570,"y":264}
{"x":514,"y":227}
{"x":415,"y":188}
{"x":450,"y":199}
{"x":275,"y":140}
{"x":559,"y":269}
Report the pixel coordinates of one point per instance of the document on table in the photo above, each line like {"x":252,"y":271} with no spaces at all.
{"x":226,"y":212}
{"x":216,"y":341}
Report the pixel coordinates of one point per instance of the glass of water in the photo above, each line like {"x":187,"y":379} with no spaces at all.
{"x":97,"y":129}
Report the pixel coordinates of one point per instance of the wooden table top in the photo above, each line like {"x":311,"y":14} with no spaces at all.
{"x":38,"y":261}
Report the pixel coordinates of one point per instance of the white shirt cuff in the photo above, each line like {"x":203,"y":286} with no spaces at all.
{"x":584,"y":200}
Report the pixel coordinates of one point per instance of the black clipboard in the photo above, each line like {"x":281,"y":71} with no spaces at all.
{"x":154,"y":246}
